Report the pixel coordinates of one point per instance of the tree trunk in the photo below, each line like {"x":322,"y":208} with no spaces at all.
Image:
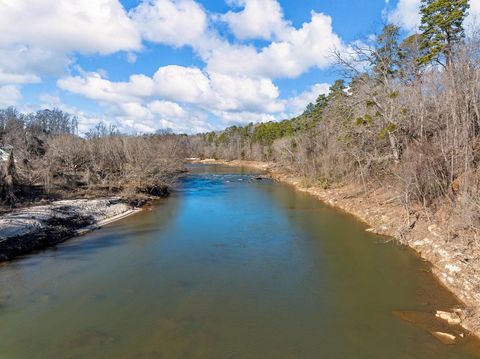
{"x":7,"y":181}
{"x":394,"y":147}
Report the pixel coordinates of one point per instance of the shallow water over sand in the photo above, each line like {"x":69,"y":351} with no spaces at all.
{"x":226,"y":267}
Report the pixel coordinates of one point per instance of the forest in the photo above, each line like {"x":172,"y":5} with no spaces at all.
{"x":45,"y":158}
{"x":404,"y":113}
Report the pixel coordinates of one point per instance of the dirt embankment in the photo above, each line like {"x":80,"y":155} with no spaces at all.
{"x":37,"y":227}
{"x":455,"y":258}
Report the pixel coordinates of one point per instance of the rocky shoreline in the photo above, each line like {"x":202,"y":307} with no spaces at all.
{"x":456,"y":263}
{"x":38,"y":227}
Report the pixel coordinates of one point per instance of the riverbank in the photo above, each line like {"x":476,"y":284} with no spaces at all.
{"x":229,"y":258}
{"x":454,"y":256}
{"x":37,"y":227}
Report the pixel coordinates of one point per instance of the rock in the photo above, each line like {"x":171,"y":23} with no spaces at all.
{"x":445,"y":338}
{"x":383,"y":229}
{"x":451,"y":318}
{"x":433,"y":229}
{"x":420,"y":243}
{"x":451,"y":268}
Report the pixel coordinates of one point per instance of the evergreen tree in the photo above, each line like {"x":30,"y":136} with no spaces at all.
{"x":387,"y":56}
{"x":410,"y":69}
{"x":309,"y":110}
{"x":337,"y":90}
{"x":442,"y":28}
{"x":322,"y":102}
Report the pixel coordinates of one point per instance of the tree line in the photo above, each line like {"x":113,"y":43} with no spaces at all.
{"x":406,"y":112}
{"x":48,"y":159}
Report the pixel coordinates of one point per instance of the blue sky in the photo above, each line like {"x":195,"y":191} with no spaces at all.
{"x":188,"y":65}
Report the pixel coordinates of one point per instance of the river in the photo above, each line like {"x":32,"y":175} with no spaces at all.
{"x":227,"y":267}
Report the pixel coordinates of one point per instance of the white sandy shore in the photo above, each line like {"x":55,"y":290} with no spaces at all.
{"x":107,"y":221}
{"x":30,"y":220}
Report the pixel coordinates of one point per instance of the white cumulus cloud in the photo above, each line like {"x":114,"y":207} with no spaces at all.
{"x":176,"y":23}
{"x":407,"y":14}
{"x":94,"y":86}
{"x":259,"y":19}
{"x":297,"y":104}
{"x":37,"y":37}
{"x":180,"y":84}
{"x":9,"y":95}
{"x":185,"y":84}
{"x":297,"y":51}
{"x":234,"y":83}
{"x":162,"y":98}
{"x":167,"y":108}
{"x":100,"y":26}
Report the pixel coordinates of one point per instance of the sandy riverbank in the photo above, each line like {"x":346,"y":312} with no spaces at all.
{"x":456,"y":263}
{"x":37,"y":227}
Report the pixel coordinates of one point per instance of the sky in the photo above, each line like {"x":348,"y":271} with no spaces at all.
{"x":186,"y":65}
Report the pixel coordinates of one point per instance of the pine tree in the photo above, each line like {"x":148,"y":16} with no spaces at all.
{"x":322,"y":102}
{"x":337,"y":90}
{"x":309,"y":110}
{"x":387,"y":55}
{"x":410,"y":68}
{"x":442,"y":28}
